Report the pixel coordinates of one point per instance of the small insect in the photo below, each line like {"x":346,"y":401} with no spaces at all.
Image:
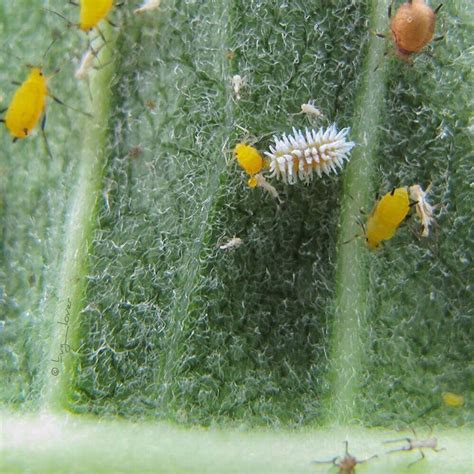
{"x":387,"y":214}
{"x":453,"y":400}
{"x":249,"y":159}
{"x":297,"y":156}
{"x":232,"y":244}
{"x":414,"y":443}
{"x":148,"y":5}
{"x":424,"y":210}
{"x":237,"y":83}
{"x":28,"y":105}
{"x":412,"y":27}
{"x":347,"y":463}
{"x":92,"y":12}
{"x":87,"y":63}
{"x":310,"y":109}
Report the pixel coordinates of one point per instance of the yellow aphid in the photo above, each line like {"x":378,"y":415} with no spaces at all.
{"x":387,"y":214}
{"x":250,"y":160}
{"x":92,"y":12}
{"x":27,"y":105}
{"x":453,"y":400}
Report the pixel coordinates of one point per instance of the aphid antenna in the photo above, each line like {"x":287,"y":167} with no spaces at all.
{"x":52,"y":44}
{"x":59,"y":101}
{"x":70,"y":24}
{"x":438,"y":8}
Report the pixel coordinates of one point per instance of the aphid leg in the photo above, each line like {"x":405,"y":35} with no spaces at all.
{"x":390,"y":9}
{"x":16,"y":83}
{"x":408,"y":440}
{"x":101,"y":35}
{"x":438,"y":8}
{"x":3,"y":110}
{"x":419,"y":459}
{"x":368,"y":459}
{"x":15,"y":140}
{"x":439,"y":38}
{"x":332,"y":461}
{"x":113,"y":25}
{"x":392,"y":192}
{"x":43,"y":132}
{"x":73,"y":3}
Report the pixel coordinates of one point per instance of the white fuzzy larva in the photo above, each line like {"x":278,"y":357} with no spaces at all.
{"x":296,"y":156}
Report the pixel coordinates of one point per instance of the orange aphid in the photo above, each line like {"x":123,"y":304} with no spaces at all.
{"x":412,"y":27}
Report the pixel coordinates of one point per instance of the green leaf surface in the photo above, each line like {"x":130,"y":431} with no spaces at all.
{"x":119,"y":231}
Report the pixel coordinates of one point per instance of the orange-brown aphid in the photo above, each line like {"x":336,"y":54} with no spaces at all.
{"x":347,"y":463}
{"x":412,"y":27}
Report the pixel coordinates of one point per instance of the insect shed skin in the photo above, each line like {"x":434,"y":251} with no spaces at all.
{"x":27,"y":104}
{"x":386,"y":216}
{"x":412,"y":28}
{"x":92,"y":12}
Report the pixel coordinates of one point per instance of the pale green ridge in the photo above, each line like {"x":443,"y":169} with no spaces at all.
{"x":81,"y":445}
{"x":77,"y":234}
{"x":352,"y":272}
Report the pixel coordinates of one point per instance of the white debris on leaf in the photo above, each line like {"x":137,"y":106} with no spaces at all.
{"x":424,"y":210}
{"x":310,"y":109}
{"x":297,"y":156}
{"x":261,"y":182}
{"x":237,"y":83}
{"x":233,"y":243}
{"x":87,"y":62}
{"x":147,"y":6}
{"x":85,"y":65}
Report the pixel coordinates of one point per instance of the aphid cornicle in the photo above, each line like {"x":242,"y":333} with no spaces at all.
{"x":387,"y":214}
{"x":27,"y":104}
{"x":412,"y":27}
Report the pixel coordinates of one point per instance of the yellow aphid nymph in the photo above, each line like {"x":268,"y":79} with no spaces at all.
{"x":27,"y":105}
{"x":387,"y":214}
{"x":93,"y":12}
{"x":250,"y":160}
{"x":453,"y":400}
